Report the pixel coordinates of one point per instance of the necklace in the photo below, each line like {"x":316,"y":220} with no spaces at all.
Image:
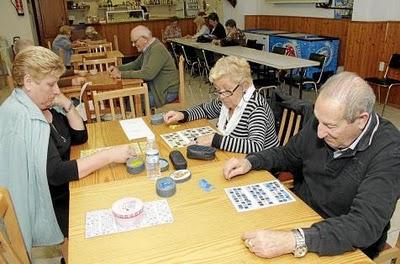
{"x":58,"y":134}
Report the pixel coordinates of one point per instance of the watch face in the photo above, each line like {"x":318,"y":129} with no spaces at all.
{"x":300,"y":251}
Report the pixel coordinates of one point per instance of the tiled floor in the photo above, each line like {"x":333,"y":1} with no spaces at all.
{"x":196,"y":92}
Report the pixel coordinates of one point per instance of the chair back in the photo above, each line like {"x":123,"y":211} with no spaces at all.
{"x":180,"y":103}
{"x":49,"y":44}
{"x":279,"y":50}
{"x":117,"y":99}
{"x":116,"y":45}
{"x":12,"y":246}
{"x":289,"y":126}
{"x":95,"y":48}
{"x":252,"y":44}
{"x":99,"y":64}
{"x":322,"y":61}
{"x":87,"y":96}
{"x":393,"y":66}
{"x":10,"y":82}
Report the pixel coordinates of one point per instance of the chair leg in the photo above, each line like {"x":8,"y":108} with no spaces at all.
{"x":386,"y":99}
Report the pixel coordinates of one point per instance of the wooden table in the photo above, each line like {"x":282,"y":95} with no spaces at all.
{"x":77,"y":59}
{"x":105,"y":134}
{"x":101,"y":78}
{"x":206,"y":227}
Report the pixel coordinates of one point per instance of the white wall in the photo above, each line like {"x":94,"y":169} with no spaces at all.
{"x":13,"y":25}
{"x":261,"y":7}
{"x":372,"y":10}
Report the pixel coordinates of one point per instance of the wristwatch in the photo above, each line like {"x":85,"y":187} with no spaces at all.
{"x":300,"y":249}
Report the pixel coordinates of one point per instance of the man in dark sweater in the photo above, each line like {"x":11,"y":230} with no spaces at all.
{"x":346,"y":165}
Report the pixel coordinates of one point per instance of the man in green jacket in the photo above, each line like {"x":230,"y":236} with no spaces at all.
{"x":155,"y":65}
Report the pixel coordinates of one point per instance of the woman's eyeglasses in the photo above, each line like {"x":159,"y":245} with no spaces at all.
{"x":223,"y":94}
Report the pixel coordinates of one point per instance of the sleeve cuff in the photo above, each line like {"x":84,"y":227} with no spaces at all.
{"x":217,"y":140}
{"x":185,"y":117}
{"x":312,"y":238}
{"x":253,"y":161}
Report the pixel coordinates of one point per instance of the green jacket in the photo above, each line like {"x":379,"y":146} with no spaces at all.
{"x":156,"y":66}
{"x":24,"y":139}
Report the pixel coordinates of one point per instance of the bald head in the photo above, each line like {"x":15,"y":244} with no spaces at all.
{"x":141,"y":31}
{"x":351,"y":92}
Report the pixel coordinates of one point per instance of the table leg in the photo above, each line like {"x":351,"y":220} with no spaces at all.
{"x":301,"y":83}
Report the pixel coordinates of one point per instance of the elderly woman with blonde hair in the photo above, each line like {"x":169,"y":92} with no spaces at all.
{"x":201,"y":27}
{"x":38,"y":126}
{"x":245,"y":121}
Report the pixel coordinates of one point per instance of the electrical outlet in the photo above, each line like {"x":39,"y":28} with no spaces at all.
{"x":381,"y":66}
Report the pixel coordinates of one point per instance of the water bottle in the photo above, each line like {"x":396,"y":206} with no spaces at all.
{"x":152,"y":159}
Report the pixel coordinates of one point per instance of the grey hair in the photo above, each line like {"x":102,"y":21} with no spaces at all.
{"x":236,"y":69}
{"x":352,"y":92}
{"x":142,"y":31}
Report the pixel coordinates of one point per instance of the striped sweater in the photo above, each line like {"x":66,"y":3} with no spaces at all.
{"x":254,"y":132}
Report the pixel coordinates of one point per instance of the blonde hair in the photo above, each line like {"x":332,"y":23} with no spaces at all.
{"x":236,"y":69}
{"x":351,"y":91}
{"x":22,"y":44}
{"x":199,"y":20}
{"x":38,"y":62}
{"x":65,"y":30}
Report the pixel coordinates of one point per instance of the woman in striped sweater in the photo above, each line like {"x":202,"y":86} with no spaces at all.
{"x":245,"y":121}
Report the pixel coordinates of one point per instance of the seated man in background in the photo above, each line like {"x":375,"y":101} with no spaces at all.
{"x":92,"y":35}
{"x":155,"y":65}
{"x":346,"y":165}
{"x":246,"y":122}
{"x":235,"y":36}
{"x":173,"y":30}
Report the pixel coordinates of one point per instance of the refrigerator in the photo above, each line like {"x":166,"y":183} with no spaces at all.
{"x":301,"y":45}
{"x":262,"y":35}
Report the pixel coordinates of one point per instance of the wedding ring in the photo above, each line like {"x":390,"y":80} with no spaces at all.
{"x":248,"y":243}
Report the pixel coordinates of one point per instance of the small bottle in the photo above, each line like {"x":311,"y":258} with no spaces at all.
{"x":152,"y":159}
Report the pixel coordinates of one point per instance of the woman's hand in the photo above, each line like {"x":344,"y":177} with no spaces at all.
{"x":62,"y":101}
{"x":173,"y":117}
{"x":204,"y":140}
{"x":120,"y":154}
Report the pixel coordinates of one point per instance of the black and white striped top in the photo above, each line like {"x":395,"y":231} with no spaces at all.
{"x":254,"y":132}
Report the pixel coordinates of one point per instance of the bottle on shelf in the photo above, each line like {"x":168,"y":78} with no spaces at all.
{"x":152,"y":159}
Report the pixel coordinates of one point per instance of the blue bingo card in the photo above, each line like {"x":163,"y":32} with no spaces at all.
{"x":258,"y":195}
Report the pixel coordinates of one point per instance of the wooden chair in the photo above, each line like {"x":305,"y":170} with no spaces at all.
{"x":289,"y":125}
{"x":180,"y":103}
{"x":116,"y":101}
{"x":12,"y":246}
{"x":99,"y":64}
{"x":49,"y":44}
{"x":116,"y":45}
{"x":100,"y":47}
{"x":10,"y":82}
{"x":87,"y":97}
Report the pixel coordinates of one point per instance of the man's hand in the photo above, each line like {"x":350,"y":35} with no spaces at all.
{"x":269,"y":243}
{"x":114,"y":72}
{"x":235,"y":167}
{"x":173,"y":117}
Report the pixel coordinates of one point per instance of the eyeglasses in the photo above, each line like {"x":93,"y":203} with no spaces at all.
{"x":224,"y":94}
{"x":136,"y":40}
